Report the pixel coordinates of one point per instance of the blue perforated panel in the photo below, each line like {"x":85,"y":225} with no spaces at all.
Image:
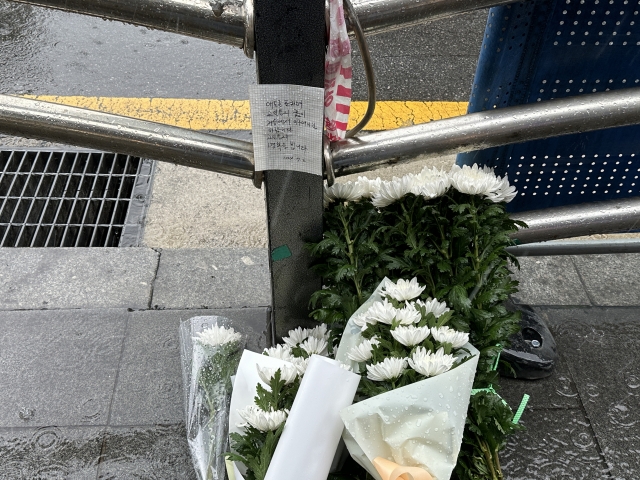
{"x":540,"y":50}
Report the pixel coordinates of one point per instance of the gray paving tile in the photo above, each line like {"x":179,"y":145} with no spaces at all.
{"x":549,"y":281}
{"x":149,"y":389}
{"x":50,"y":452}
{"x":601,"y":347}
{"x":556,"y":391}
{"x":556,"y":444}
{"x":156,"y":453}
{"x":212,"y":278}
{"x":611,"y":280}
{"x":58,"y":367}
{"x":57,"y":278}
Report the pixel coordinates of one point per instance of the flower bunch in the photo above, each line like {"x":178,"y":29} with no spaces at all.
{"x":405,"y":339}
{"x":209,"y":358}
{"x":451,"y":231}
{"x":264,"y":420}
{"x":429,"y":183}
{"x":221,"y":347}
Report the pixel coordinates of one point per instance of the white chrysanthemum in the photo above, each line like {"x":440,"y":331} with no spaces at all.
{"x":504,"y":193}
{"x":408,"y":315}
{"x":362,"y":352}
{"x":392,"y":191}
{"x":434,"y":306}
{"x":301,"y":364}
{"x":346,"y":367}
{"x":319,"y":332}
{"x":388,"y":369}
{"x":474,"y":180}
{"x":263,"y":421}
{"x":296,"y":337}
{"x":216,"y":335}
{"x":430,"y":364}
{"x":342,"y":192}
{"x":283,"y":352}
{"x":362,"y":320}
{"x":369,"y":187}
{"x":482,"y":181}
{"x":404,"y":289}
{"x":383,"y":312}
{"x":448,"y":335}
{"x":288,"y":373}
{"x":411,"y":335}
{"x":313,"y":345}
{"x":431,"y":183}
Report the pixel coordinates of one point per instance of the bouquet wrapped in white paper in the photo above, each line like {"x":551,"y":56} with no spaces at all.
{"x":285,"y":410}
{"x":210,"y":351}
{"x":418,"y":374}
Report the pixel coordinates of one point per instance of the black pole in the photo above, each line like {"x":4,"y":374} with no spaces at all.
{"x":290,"y":49}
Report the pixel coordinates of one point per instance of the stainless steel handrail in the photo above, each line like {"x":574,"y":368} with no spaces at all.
{"x":610,"y":216}
{"x":368,"y":69}
{"x":230,"y":21}
{"x":379,"y":16}
{"x":222,"y":21}
{"x":577,"y":247}
{"x":491,"y":128}
{"x":114,"y":133}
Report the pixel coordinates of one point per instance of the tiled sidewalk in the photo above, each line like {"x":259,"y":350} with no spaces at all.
{"x":90,"y":365}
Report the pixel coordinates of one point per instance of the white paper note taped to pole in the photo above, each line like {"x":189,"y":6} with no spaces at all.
{"x":287,"y":125}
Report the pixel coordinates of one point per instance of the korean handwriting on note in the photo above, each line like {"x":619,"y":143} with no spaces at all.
{"x":287,"y":122}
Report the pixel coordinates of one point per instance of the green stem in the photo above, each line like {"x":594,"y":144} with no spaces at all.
{"x":498,"y":467}
{"x":352,"y":258}
{"x":488,"y":458}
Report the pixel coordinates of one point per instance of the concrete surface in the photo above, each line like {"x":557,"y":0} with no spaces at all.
{"x":212,"y":278}
{"x":96,"y":392}
{"x":76,"y":278}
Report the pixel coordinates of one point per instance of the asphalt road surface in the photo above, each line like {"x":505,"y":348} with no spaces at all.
{"x":47,"y":52}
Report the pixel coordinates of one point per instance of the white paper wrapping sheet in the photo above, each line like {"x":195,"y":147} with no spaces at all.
{"x":313,"y":429}
{"x":420,"y":425}
{"x":312,"y":432}
{"x":245,"y":388}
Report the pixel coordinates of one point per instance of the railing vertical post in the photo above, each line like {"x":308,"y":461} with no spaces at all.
{"x":290,"y":49}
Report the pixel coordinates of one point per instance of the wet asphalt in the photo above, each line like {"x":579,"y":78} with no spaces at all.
{"x":44,"y":51}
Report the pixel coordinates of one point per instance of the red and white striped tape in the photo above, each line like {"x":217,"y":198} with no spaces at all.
{"x":337,"y":75}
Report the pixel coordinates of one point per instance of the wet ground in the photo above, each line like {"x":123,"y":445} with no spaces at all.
{"x":91,"y":379}
{"x":47,"y":52}
{"x":89,"y":364}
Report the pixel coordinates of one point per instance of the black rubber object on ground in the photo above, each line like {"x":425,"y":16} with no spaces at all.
{"x":532,"y":353}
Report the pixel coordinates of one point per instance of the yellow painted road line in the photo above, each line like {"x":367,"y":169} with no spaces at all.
{"x":235,"y":114}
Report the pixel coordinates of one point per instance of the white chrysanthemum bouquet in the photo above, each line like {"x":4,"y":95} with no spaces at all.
{"x":210,"y":351}
{"x":417,"y":379}
{"x":450,"y":230}
{"x":284,"y":418}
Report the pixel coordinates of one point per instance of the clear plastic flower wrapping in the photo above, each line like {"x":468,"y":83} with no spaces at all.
{"x":210,"y":352}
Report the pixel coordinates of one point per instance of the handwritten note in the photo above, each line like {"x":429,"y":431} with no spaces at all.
{"x":287,"y":126}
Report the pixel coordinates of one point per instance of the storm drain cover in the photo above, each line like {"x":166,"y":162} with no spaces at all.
{"x":72,"y":198}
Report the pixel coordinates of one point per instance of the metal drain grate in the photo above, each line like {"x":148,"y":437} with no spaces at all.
{"x":72,"y":198}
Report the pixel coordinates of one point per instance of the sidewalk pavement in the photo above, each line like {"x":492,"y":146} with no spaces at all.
{"x":90,"y":368}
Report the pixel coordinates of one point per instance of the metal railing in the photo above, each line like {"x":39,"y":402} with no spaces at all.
{"x":231,"y":21}
{"x":24,"y":117}
{"x":486,"y":129}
